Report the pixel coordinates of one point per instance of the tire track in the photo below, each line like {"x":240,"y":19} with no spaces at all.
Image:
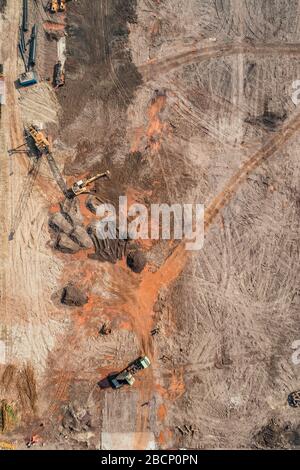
{"x":168,"y":64}
{"x":272,"y":145}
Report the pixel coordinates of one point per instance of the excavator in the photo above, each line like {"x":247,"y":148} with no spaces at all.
{"x":37,"y":145}
{"x":125,"y":377}
{"x":81,"y":186}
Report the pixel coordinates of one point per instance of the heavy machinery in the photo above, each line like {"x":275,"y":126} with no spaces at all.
{"x":57,"y":6}
{"x":32,"y":47}
{"x":125,"y":377}
{"x":28,"y":79}
{"x":81,"y":186}
{"x":62,"y":5}
{"x":39,"y":139}
{"x":59,"y":75}
{"x":294,"y":399}
{"x":53,"y":6}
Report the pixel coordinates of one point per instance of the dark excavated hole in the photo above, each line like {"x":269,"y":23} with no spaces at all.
{"x":136,"y":261}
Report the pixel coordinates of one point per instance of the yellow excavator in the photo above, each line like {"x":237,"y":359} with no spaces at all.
{"x":53,"y":6}
{"x":81,"y":186}
{"x":40,"y":141}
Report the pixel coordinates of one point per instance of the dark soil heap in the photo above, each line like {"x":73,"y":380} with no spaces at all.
{"x":136,"y":261}
{"x":73,"y":297}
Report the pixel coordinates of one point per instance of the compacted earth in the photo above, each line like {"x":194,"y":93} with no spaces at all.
{"x":184,"y":102}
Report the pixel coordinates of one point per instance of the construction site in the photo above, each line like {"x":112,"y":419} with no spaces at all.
{"x":141,"y":344}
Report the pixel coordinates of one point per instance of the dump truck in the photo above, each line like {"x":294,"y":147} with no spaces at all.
{"x":81,"y":186}
{"x":53,"y":6}
{"x":126,"y":376}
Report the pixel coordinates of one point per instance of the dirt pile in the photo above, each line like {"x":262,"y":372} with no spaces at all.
{"x":276,"y":435}
{"x":136,"y":261}
{"x":110,"y":249}
{"x":68,"y":233}
{"x":73,"y":296}
{"x":76,"y":419}
{"x":26,"y":385}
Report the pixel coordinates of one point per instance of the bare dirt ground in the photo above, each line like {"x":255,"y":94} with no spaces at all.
{"x":183,"y":101}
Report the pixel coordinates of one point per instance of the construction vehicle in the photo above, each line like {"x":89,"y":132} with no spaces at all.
{"x":36,"y":145}
{"x":56,"y":6}
{"x":294,"y":399}
{"x":32,"y":48}
{"x":62,"y":5}
{"x":25,"y":16}
{"x":81,"y":186}
{"x":28,"y":79}
{"x":59,"y":75}
{"x":126,"y":376}
{"x":39,"y":139}
{"x":53,"y":6}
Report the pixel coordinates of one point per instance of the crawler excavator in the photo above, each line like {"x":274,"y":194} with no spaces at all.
{"x":81,"y":186}
{"x":40,"y":141}
{"x":36,"y":138}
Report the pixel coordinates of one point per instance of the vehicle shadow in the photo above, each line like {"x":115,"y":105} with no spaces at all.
{"x":104,"y":383}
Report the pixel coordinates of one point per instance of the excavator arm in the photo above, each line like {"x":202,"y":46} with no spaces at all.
{"x":81,"y":186}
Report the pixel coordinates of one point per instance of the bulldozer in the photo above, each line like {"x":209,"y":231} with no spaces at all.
{"x":81,"y":186}
{"x":40,"y":141}
{"x":126,"y":376}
